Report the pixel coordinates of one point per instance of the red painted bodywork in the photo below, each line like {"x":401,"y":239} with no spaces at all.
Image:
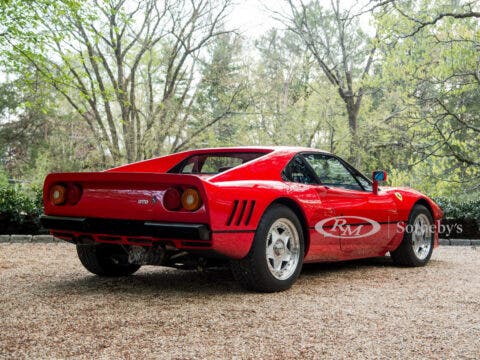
{"x":115,"y":194}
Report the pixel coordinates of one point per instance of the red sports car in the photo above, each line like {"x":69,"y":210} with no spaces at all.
{"x":266,"y":210}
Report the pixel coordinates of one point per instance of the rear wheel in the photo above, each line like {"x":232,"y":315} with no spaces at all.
{"x":105,"y":260}
{"x":417,"y":244}
{"x":276,"y":257}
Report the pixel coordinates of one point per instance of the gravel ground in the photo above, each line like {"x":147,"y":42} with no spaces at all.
{"x":52,"y":308}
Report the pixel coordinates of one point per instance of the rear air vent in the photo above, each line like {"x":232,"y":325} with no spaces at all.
{"x":232,"y":214}
{"x":242,"y":211}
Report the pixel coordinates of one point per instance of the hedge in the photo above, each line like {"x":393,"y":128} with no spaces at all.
{"x":463,"y":215}
{"x":459,"y":210}
{"x":20,"y":210}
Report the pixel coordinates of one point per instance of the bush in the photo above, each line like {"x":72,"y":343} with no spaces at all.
{"x":20,"y":210}
{"x":459,"y":210}
{"x":461,"y":213}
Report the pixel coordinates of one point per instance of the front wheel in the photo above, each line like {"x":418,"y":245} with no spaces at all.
{"x":105,"y":260}
{"x":417,"y":244}
{"x":276,"y":257}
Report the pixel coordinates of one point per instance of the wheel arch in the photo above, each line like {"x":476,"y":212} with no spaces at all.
{"x":297,"y":209}
{"x":425,"y":203}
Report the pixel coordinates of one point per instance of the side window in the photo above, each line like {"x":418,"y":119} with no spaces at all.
{"x":332,"y":172}
{"x":297,"y":171}
{"x":188,"y":169}
{"x":366,"y":185}
{"x":216,"y":164}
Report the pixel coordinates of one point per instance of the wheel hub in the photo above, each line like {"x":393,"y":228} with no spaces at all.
{"x":279,"y":248}
{"x":421,"y":236}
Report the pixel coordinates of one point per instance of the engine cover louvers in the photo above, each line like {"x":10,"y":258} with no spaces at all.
{"x":242,"y":211}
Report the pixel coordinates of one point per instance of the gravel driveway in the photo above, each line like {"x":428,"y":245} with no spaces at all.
{"x":52,"y":308}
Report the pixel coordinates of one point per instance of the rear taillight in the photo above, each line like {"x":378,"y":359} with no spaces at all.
{"x":172,"y":199}
{"x":191,"y":199}
{"x":178,"y":199}
{"x":74,"y":193}
{"x":65,"y":194}
{"x":58,"y":194}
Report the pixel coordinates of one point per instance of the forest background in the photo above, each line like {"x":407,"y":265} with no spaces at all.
{"x":393,"y":85}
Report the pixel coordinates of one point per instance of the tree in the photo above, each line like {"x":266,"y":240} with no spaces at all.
{"x":37,"y":136}
{"x":343,"y":52}
{"x":433,"y":58}
{"x":427,"y":13}
{"x":221,"y":97}
{"x":127,"y":68}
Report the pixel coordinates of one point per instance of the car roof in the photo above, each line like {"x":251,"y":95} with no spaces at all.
{"x":165,"y":163}
{"x":283,"y":149}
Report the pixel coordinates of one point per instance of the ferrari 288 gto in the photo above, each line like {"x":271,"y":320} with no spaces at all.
{"x":264,"y":210}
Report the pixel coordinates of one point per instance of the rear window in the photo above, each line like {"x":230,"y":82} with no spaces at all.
{"x":213,"y":163}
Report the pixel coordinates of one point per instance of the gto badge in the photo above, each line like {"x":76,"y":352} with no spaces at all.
{"x":142,"y":202}
{"x":399,"y":196}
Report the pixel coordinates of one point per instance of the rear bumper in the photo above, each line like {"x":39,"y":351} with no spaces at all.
{"x":153,"y":229}
{"x":186,"y":236}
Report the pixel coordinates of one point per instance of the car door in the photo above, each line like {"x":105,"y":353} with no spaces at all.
{"x":304,"y":184}
{"x":363,"y":221}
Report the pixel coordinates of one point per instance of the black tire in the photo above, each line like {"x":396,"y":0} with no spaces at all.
{"x":252,"y":272}
{"x":105,"y":260}
{"x":405,"y":254}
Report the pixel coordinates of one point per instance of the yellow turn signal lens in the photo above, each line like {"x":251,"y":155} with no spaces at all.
{"x":57,"y":194}
{"x":191,"y":200}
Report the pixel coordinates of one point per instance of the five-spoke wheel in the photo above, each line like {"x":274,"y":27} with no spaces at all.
{"x":283,"y":249}
{"x":276,"y":256}
{"x":417,"y":244}
{"x":422,"y":236}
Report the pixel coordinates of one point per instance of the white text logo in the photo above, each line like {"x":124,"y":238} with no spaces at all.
{"x":347,"y":227}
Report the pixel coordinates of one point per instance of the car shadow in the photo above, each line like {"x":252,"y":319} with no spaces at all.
{"x":323,"y":267}
{"x":153,"y":281}
{"x":158,"y":281}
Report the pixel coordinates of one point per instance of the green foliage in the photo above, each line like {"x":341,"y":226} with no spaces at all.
{"x":430,"y":77}
{"x":3,"y":177}
{"x":460,"y":210}
{"x":20,"y":209}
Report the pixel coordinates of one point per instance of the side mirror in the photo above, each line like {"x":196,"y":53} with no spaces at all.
{"x":378,"y":175}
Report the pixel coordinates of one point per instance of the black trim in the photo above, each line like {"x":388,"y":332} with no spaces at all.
{"x":165,"y":230}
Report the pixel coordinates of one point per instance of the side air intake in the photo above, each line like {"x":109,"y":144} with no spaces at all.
{"x":242,"y":211}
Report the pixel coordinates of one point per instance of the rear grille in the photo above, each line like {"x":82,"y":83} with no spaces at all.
{"x":242,"y":211}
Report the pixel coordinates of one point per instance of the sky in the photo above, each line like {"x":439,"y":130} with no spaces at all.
{"x":254,"y":17}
